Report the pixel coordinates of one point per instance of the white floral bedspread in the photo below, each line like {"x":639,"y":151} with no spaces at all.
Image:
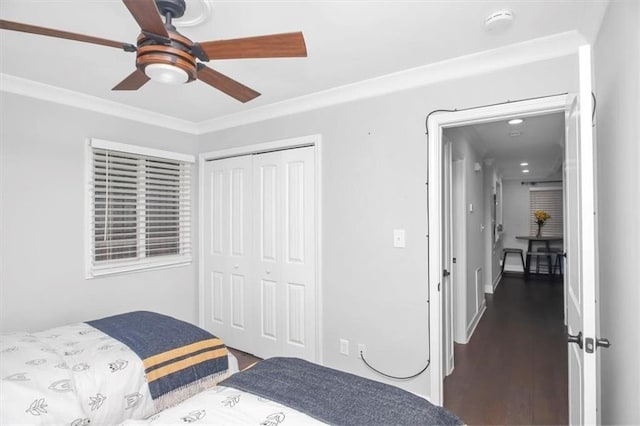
{"x":228,"y":406}
{"x":72,"y":375}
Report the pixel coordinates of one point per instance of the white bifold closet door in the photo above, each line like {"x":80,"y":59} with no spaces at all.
{"x":260,"y":294}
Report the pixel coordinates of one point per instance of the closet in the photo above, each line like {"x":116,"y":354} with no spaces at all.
{"x":259,"y":260}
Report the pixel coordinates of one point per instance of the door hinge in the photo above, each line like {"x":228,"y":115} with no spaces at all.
{"x":445,"y":273}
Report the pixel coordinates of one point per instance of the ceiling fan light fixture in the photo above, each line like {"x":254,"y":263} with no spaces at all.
{"x":167,"y":74}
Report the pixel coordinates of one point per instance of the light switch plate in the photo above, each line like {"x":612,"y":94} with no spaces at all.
{"x":399,"y":239}
{"x":344,"y":346}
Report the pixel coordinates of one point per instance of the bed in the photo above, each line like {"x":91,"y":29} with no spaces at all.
{"x":143,"y":367}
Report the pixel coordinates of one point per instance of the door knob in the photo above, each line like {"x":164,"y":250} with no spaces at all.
{"x":575,"y":339}
{"x":603,"y":343}
{"x":268,"y":271}
{"x":236,"y":266}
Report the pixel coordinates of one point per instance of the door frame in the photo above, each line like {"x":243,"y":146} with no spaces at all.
{"x":435,"y":126}
{"x":315,"y":141}
{"x":448,"y":284}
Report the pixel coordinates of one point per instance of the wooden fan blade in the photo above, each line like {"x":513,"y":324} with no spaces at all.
{"x":133,"y":81}
{"x":226,"y":84}
{"x":33,"y":29}
{"x":146,"y":14}
{"x":284,"y":45}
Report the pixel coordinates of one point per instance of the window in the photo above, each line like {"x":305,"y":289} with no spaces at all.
{"x":139,"y":208}
{"x":549,"y":200}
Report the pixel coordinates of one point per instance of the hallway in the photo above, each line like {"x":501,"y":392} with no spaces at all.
{"x":514,"y":369}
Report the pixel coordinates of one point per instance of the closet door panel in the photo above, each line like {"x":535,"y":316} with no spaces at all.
{"x":228,"y":260}
{"x":298,"y":272}
{"x":216,"y":295}
{"x":296,"y":315}
{"x":268,"y":309}
{"x":268,"y":210}
{"x":295,"y":212}
{"x":268,"y":236}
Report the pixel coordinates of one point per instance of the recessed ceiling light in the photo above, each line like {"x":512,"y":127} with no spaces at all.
{"x":525,"y":171}
{"x":515,"y":121}
{"x":524,"y":164}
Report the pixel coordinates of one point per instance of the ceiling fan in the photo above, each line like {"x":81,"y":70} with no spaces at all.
{"x":165,"y":55}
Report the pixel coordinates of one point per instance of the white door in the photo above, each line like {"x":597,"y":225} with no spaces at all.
{"x":581,"y":256}
{"x":284,"y":226}
{"x":259,"y":262}
{"x":447,"y":259}
{"x":228,"y":250}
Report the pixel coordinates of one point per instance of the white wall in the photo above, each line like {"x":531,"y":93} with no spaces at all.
{"x":515,"y":213}
{"x":474,"y":189}
{"x":617,"y":87}
{"x":374,"y":174}
{"x":42,"y":280}
{"x":469,"y":299}
{"x":492,"y":248}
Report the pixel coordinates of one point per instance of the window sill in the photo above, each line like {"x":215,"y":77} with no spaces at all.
{"x":139,"y":266}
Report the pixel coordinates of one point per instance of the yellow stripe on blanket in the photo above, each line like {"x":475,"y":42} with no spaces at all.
{"x":181,"y":351}
{"x":184,"y":363}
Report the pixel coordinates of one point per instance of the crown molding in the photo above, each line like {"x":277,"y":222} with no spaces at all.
{"x":34,"y":89}
{"x":534,"y":50}
{"x":539,"y":49}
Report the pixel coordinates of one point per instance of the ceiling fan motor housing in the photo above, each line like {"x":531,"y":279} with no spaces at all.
{"x":174,"y":7}
{"x":177,"y":53}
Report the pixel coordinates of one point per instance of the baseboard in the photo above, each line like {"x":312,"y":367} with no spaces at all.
{"x":497,"y":281}
{"x":451,"y":363}
{"x":474,"y":322}
{"x":491,"y":288}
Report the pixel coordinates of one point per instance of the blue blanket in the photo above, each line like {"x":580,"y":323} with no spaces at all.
{"x":336,"y":397}
{"x":176,"y":355}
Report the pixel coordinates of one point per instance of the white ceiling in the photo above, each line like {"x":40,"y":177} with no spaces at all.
{"x":538,"y":141}
{"x":347,"y":42}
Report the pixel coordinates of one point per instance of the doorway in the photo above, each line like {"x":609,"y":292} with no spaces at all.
{"x":501,"y":174}
{"x":502,"y":112}
{"x":580,"y":276}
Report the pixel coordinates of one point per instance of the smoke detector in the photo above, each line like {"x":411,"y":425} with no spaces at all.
{"x":498,"y":21}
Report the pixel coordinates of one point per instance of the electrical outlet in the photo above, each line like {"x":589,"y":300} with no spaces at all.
{"x":362,"y":350}
{"x":344,"y":347}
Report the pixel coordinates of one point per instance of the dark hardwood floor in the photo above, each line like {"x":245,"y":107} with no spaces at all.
{"x":514,"y":369}
{"x":244,"y":359}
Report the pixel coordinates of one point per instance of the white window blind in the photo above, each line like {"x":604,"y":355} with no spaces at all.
{"x":549,"y":200}
{"x":140,"y":211}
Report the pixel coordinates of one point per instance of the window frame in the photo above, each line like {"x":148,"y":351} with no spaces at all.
{"x":139,"y":264}
{"x":558,"y":222}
